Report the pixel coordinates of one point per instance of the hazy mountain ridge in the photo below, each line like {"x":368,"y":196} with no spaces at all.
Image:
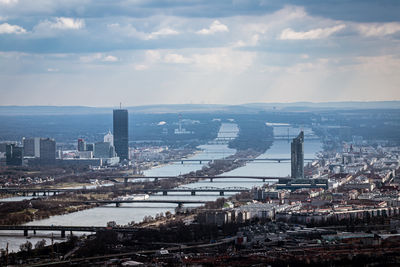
{"x":201,"y":108}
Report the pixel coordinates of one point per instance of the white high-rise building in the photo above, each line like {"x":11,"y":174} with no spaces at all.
{"x":109,"y":138}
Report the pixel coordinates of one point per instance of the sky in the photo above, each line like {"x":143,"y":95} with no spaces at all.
{"x":145,"y":52}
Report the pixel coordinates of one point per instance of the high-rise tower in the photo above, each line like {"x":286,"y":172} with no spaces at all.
{"x":47,"y":151}
{"x":120,"y":131}
{"x":297,"y":156}
{"x":81,"y":145}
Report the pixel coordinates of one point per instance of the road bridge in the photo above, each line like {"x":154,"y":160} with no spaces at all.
{"x":221,"y":140}
{"x":277,"y":160}
{"x":63,"y":229}
{"x":193,"y":191}
{"x":165,"y":191}
{"x":211,"y":177}
{"x":118,"y":202}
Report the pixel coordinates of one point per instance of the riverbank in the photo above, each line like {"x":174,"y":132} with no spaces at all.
{"x":36,"y":209}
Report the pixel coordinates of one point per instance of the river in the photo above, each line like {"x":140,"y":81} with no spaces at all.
{"x":137,"y":211}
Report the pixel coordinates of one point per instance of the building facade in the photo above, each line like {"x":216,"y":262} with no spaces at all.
{"x":109,"y":138}
{"x":297,"y":156}
{"x":103,"y":150}
{"x":81,"y":145}
{"x":120,"y":130}
{"x":31,"y":147}
{"x":14,"y":155}
{"x":47,"y":151}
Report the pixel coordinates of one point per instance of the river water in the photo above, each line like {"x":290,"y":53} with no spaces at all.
{"x":137,"y":211}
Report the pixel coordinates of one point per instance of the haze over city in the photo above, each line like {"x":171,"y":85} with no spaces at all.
{"x":99,"y":53}
{"x":199,"y":133}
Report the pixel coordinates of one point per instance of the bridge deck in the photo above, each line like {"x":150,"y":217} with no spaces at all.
{"x":155,"y":190}
{"x":64,"y":228}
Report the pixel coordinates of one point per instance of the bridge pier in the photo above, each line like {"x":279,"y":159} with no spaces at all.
{"x":182,"y":162}
{"x":180,"y":205}
{"x":193,"y":193}
{"x":156,"y":179}
{"x":54,"y":193}
{"x":25,"y":232}
{"x":125,"y":181}
{"x":24,"y":194}
{"x":62,"y":233}
{"x":221,"y":193}
{"x":34,"y":194}
{"x":200,"y":161}
{"x":264,"y":180}
{"x":117,"y":204}
{"x":211,"y":180}
{"x":34,"y":232}
{"x":44,"y":193}
{"x":165,"y":193}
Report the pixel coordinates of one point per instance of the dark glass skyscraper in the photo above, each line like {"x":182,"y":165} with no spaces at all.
{"x":297,"y":156}
{"x":47,"y":151}
{"x":120,"y":130}
{"x":13,"y":155}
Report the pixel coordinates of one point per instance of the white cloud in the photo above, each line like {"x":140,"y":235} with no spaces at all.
{"x":110,"y":58}
{"x":378,"y":29}
{"x":61,"y":23}
{"x":141,"y":67}
{"x":320,"y":33}
{"x":53,"y":70}
{"x":176,"y":58}
{"x":68,"y":23}
{"x":131,"y":31}
{"x":253,"y":41}
{"x":216,"y":26}
{"x":8,"y":2}
{"x":7,"y":28}
{"x":151,"y":57}
{"x":127,"y":30}
{"x":98,"y":57}
{"x":162,"y":32}
{"x":91,"y":58}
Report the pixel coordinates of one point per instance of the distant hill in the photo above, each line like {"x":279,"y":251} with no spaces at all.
{"x":198,"y":108}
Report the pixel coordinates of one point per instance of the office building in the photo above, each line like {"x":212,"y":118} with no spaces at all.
{"x":109,"y":138}
{"x":297,"y":156}
{"x":14,"y":155}
{"x":31,"y":147}
{"x":81,"y":145}
{"x":89,"y":147}
{"x":103,"y":150}
{"x":47,"y":151}
{"x":120,"y":129}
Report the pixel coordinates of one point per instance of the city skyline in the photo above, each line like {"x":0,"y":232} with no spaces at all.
{"x":230,"y":52}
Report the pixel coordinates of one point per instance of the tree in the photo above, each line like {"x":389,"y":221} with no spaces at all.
{"x":40,"y":244}
{"x":26,"y":246}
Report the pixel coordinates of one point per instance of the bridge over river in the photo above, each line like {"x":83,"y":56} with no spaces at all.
{"x":165,"y":191}
{"x":209,"y":177}
{"x":63,"y":229}
{"x":118,"y":202}
{"x":260,"y":160}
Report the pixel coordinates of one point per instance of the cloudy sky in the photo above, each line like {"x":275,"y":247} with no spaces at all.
{"x":139,"y":52}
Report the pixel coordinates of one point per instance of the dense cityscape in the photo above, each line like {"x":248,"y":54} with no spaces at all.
{"x":314,"y":193}
{"x":200,"y":133}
